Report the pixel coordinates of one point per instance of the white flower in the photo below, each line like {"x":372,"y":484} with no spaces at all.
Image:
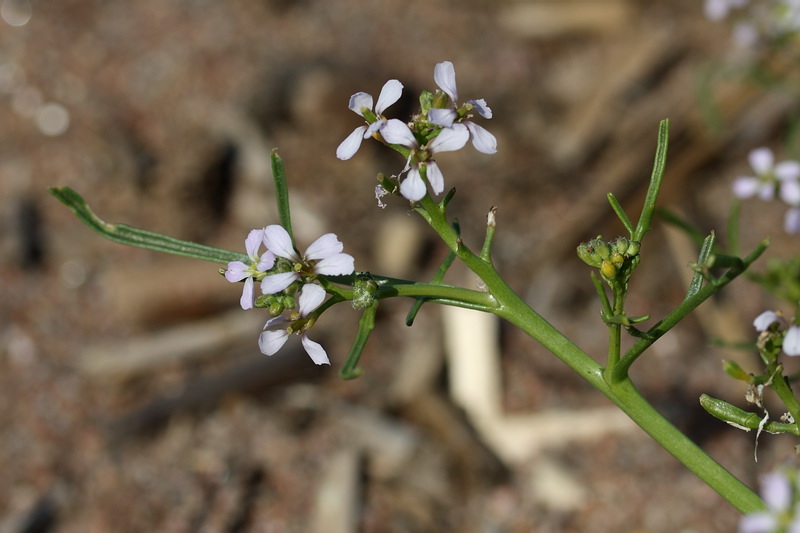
{"x":324,"y":256}
{"x":444,"y":75}
{"x":768,"y":174}
{"x":791,"y":342}
{"x":238,"y":270}
{"x":277,"y":330}
{"x":778,"y":493}
{"x":390,"y":93}
{"x":449,"y":139}
{"x":766,"y":319}
{"x":791,"y":222}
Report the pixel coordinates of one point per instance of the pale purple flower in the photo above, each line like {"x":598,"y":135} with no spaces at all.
{"x":449,"y":139}
{"x":324,"y":257}
{"x":390,"y":93}
{"x":444,"y":75}
{"x":791,"y":222}
{"x":277,"y":330}
{"x":768,"y":175}
{"x":778,"y":493}
{"x":238,"y":270}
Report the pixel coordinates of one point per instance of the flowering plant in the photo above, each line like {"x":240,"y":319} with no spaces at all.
{"x":296,"y":290}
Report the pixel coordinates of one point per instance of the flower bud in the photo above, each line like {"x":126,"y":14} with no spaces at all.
{"x":621,"y":245}
{"x":364,"y":290}
{"x":617,"y":259}
{"x":633,"y":249}
{"x":608,"y":270}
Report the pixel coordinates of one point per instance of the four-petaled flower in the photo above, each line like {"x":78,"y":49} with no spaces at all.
{"x":324,"y":256}
{"x":238,"y":270}
{"x":449,"y":139}
{"x":277,"y":330}
{"x":791,"y":339}
{"x":390,"y":93}
{"x":444,"y":74}
{"x":768,"y":175}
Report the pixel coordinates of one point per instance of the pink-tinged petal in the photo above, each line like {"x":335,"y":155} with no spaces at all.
{"x":390,"y":93}
{"x":246,"y":301}
{"x":776,"y":490}
{"x":787,"y":170}
{"x":442,"y":117}
{"x":326,"y":246}
{"x":274,"y":335}
{"x":266,"y":261}
{"x":337,"y":265}
{"x":761,"y":159}
{"x":351,"y":144}
{"x":790,"y":192}
{"x":482,"y":140}
{"x":315,"y":350}
{"x":252,"y":242}
{"x":397,"y":132}
{"x":413,"y":188}
{"x":745,"y":186}
{"x":765,"y":320}
{"x":791,"y":222}
{"x":435,"y":177}
{"x":275,"y":283}
{"x":444,"y":74}
{"x":236,"y":271}
{"x":449,"y":139}
{"x":359,"y":101}
{"x":481,"y":107}
{"x":311,"y":297}
{"x":279,"y":243}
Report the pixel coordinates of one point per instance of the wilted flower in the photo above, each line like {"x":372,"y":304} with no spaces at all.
{"x":277,"y":330}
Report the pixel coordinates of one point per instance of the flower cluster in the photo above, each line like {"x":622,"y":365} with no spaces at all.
{"x":282,"y":273}
{"x":770,"y":178}
{"x":771,"y":323}
{"x":780,"y":492}
{"x":442,"y":126}
{"x":757,"y":21}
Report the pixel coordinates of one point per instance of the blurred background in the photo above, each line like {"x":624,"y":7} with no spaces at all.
{"x":134,"y":394}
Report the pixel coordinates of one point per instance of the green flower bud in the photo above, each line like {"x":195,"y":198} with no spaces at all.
{"x":425,"y":102}
{"x":586,"y":253}
{"x":735,"y":371}
{"x":364,"y":290}
{"x":621,"y":245}
{"x":617,"y":259}
{"x":608,"y":270}
{"x":633,"y":249}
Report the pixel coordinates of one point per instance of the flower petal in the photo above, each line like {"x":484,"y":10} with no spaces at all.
{"x":482,"y":140}
{"x":311,"y":297}
{"x":761,"y":159}
{"x":745,"y":186}
{"x":790,"y":192}
{"x":326,"y":246}
{"x":351,"y":144}
{"x":275,"y":283}
{"x":444,"y":74}
{"x":337,"y":265}
{"x":359,"y":101}
{"x":266,"y":262}
{"x":791,"y":221}
{"x":435,"y":177}
{"x":246,"y":301}
{"x":449,"y":139}
{"x":762,"y":522}
{"x":776,"y":490}
{"x":390,"y":93}
{"x":274,"y":335}
{"x":279,"y":242}
{"x":413,"y":188}
{"x":442,"y":117}
{"x":481,"y":107}
{"x":315,"y":350}
{"x":787,"y":170}
{"x":236,"y":271}
{"x":397,"y":132}
{"x":765,"y":320}
{"x":252,"y":243}
{"x":791,"y":342}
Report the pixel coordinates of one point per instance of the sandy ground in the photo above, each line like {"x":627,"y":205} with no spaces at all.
{"x":163,"y":114}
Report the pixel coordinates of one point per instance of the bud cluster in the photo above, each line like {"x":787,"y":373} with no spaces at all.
{"x":612,"y":258}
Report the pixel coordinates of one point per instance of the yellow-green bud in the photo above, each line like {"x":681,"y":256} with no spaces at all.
{"x":608,"y":270}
